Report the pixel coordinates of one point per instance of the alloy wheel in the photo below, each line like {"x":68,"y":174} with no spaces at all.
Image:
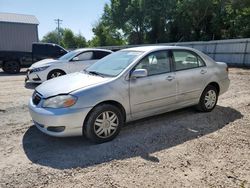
{"x":210,"y":99}
{"x":106,"y":124}
{"x":56,"y":74}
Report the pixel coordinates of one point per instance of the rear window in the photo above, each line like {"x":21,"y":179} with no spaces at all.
{"x":48,"y":50}
{"x":186,"y":60}
{"x":100,"y":54}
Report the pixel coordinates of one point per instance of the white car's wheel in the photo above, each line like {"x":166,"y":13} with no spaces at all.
{"x":55,"y":73}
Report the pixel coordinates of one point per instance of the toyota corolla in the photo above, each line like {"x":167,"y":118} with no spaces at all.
{"x":127,"y":85}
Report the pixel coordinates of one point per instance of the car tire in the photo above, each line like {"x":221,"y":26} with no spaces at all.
{"x":55,"y":73}
{"x":103,"y":123}
{"x":11,"y":67}
{"x":208,"y":99}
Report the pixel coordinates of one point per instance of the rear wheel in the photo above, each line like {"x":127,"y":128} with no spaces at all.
{"x":208,"y":99}
{"x":11,"y":67}
{"x":104,"y":123}
{"x":55,"y":73}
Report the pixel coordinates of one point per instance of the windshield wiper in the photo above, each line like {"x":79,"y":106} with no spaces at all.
{"x":94,"y":73}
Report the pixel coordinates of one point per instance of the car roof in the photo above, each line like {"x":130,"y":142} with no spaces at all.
{"x":92,"y":49}
{"x":150,"y":48}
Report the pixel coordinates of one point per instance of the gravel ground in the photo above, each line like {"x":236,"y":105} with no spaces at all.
{"x":178,"y":149}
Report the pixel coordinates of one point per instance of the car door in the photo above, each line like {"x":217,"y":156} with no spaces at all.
{"x":191,"y":74}
{"x":156,"y":92}
{"x":82,"y":61}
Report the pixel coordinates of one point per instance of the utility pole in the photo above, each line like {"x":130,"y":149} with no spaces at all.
{"x":58,"y":22}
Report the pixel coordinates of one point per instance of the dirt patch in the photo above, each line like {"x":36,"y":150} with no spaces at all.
{"x":178,"y":149}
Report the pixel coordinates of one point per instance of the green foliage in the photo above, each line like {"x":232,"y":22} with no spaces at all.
{"x":66,"y":38}
{"x":159,"y":21}
{"x":51,"y":37}
{"x":105,"y":33}
{"x":155,"y":21}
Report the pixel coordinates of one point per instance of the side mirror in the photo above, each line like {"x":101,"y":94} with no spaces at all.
{"x":75,"y":59}
{"x":139,"y":73}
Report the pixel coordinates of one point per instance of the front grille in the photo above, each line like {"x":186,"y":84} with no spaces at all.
{"x":36,"y":98}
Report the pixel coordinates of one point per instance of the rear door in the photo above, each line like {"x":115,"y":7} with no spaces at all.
{"x":191,"y":74}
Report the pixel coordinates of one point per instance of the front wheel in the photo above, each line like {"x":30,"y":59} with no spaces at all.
{"x":55,"y":73}
{"x":104,"y":123}
{"x":208,"y":99}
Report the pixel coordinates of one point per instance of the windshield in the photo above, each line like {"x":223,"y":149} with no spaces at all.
{"x":69,"y":55}
{"x":114,"y":64}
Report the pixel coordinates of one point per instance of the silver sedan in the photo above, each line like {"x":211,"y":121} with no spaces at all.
{"x":127,"y":85}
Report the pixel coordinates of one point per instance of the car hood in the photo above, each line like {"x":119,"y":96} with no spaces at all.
{"x":44,"y":62}
{"x":68,"y":83}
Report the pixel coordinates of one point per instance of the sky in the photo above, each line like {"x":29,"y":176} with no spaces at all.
{"x":78,"y":15}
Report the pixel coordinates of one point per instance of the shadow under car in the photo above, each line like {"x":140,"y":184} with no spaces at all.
{"x":140,"y":138}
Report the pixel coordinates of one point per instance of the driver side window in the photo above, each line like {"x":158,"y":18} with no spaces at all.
{"x":155,"y":63}
{"x":85,"y":56}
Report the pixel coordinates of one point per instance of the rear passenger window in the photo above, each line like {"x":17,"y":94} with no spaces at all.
{"x":85,"y":56}
{"x":100,"y":54}
{"x":186,"y":60}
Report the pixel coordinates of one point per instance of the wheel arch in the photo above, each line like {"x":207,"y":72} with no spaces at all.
{"x":216,"y":85}
{"x":112,"y":102}
{"x":57,"y":69}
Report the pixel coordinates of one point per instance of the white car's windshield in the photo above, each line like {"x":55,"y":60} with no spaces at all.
{"x":68,"y":56}
{"x":114,"y":64}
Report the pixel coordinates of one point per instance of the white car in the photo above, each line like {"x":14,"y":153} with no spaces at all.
{"x":73,"y":61}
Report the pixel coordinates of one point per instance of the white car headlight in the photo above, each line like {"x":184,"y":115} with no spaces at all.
{"x":39,"y":69}
{"x":60,"y":101}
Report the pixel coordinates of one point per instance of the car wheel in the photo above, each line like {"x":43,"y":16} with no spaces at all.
{"x":11,"y":67}
{"x":55,"y":73}
{"x":208,"y":99}
{"x":104,"y":123}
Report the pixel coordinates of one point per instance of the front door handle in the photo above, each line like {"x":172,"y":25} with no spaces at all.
{"x":170,"y":78}
{"x":203,"y":71}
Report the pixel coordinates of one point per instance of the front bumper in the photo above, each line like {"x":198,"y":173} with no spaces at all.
{"x":32,"y":78}
{"x":69,"y":119}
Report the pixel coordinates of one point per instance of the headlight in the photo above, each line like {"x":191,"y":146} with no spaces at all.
{"x":39,"y":69}
{"x":60,"y":101}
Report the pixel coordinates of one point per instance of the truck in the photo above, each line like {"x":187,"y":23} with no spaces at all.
{"x":19,"y":43}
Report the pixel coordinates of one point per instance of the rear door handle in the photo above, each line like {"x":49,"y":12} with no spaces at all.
{"x":203,"y":71}
{"x":170,"y":78}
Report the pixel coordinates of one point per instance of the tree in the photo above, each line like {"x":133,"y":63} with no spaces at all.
{"x":105,"y":33}
{"x":67,"y":39}
{"x":51,"y":37}
{"x":154,"y":21}
{"x":80,"y":41}
{"x":129,"y":16}
{"x":237,"y":18}
{"x":158,"y":16}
